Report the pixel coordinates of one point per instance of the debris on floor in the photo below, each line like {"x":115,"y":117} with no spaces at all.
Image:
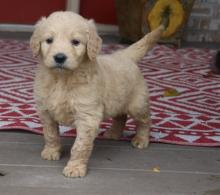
{"x":2,"y":174}
{"x":170,"y":92}
{"x":156,"y":169}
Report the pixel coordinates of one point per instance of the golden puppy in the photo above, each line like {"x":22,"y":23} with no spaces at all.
{"x":75,"y":86}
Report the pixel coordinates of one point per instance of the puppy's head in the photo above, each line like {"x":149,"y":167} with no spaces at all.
{"x":64,"y":40}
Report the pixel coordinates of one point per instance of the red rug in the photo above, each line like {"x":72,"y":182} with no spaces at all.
{"x":185,"y":96}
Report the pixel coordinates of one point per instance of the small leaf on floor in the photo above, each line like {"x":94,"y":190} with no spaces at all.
{"x":170,"y":92}
{"x":156,"y":169}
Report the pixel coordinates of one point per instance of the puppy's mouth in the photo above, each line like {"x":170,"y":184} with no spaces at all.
{"x":59,"y":67}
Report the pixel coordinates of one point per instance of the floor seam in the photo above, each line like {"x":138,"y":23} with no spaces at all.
{"x":117,"y":169}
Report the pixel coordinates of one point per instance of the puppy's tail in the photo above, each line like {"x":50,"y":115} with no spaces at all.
{"x":137,"y":50}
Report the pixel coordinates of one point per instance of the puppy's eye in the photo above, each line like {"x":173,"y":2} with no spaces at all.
{"x":49,"y":40}
{"x":75,"y":42}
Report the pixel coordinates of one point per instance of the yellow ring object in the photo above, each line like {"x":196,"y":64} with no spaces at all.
{"x":176,"y":16}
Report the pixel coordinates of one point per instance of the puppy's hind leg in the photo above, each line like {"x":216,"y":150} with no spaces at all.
{"x":141,"y":139}
{"x":116,"y":130}
{"x":140,"y":112}
{"x":52,"y":147}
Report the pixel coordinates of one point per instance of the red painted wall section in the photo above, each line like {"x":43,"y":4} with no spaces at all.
{"x":28,"y":11}
{"x":102,"y":11}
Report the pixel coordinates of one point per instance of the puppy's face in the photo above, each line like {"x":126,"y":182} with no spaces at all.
{"x":63,"y":47}
{"x":64,"y":40}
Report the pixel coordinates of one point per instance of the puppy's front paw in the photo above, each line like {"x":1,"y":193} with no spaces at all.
{"x":140,"y":142}
{"x":75,"y":170}
{"x":51,"y":153}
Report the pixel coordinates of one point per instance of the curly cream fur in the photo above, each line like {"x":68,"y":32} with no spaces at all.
{"x":88,"y":89}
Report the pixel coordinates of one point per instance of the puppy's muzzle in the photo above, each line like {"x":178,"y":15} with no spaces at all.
{"x":60,"y":58}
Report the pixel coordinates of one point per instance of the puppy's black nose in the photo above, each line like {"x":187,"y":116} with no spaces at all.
{"x":60,"y":58}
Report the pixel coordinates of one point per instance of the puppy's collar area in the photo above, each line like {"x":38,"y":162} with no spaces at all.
{"x":65,"y":75}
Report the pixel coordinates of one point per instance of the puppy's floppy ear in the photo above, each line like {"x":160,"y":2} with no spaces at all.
{"x":35,"y":38}
{"x":94,"y":42}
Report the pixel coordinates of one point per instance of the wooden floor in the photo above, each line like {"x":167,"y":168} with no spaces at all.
{"x":114,"y":168}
